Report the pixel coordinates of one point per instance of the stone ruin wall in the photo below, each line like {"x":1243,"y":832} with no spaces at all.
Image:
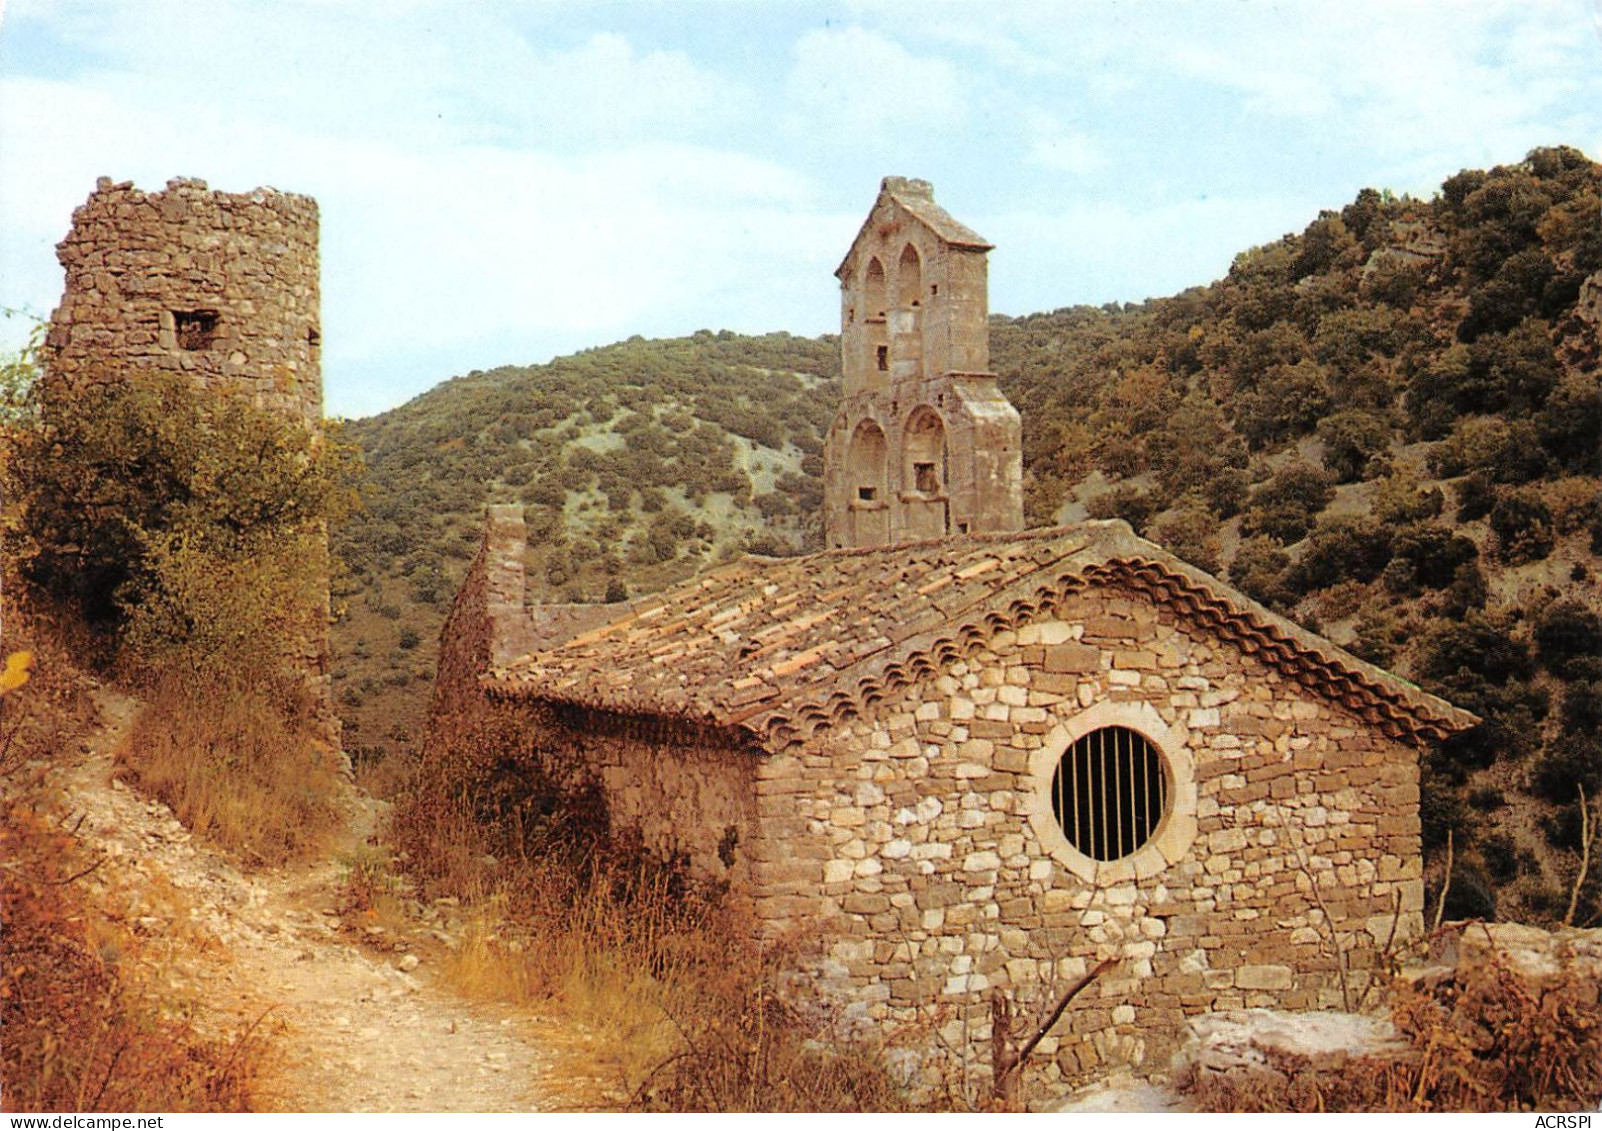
{"x":909,"y":844}
{"x":218,"y":288}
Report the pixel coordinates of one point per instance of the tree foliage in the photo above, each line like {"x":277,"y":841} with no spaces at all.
{"x":187,"y":528}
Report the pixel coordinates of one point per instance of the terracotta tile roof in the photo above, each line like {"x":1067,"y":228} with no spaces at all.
{"x":778,"y":648}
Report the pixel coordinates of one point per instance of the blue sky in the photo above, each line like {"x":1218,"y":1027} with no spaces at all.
{"x":507,"y":182}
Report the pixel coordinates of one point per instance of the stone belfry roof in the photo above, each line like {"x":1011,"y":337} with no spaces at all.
{"x":780,"y":648}
{"x":916,"y":198}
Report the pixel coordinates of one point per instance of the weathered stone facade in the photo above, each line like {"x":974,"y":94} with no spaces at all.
{"x":218,"y":288}
{"x":925,"y":445}
{"x":862,"y":743}
{"x":932,"y":863}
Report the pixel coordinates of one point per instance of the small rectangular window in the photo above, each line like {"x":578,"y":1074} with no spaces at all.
{"x":882,"y":354}
{"x":194,"y":329}
{"x":924,"y":478}
{"x":866,"y":494}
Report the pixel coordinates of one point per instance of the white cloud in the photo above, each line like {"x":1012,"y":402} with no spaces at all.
{"x":604,"y":89}
{"x":1096,"y":251}
{"x":1062,"y":148}
{"x":500,"y":181}
{"x":863,"y":87}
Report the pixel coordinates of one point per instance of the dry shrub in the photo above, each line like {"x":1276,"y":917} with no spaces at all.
{"x":1484,"y":1038}
{"x":745,"y":1047}
{"x":607,"y":945}
{"x":38,"y":719}
{"x":1573,"y":502}
{"x":237,"y":768}
{"x":686,"y":1012}
{"x":79,"y":1036}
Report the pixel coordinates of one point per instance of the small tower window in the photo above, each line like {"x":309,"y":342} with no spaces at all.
{"x":314,"y":337}
{"x":882,"y":357}
{"x":194,"y":329}
{"x":866,"y":494}
{"x":925,"y":479}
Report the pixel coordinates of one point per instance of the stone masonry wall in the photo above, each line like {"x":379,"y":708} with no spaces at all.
{"x":908,"y":841}
{"x":684,"y":792}
{"x":684,"y":789}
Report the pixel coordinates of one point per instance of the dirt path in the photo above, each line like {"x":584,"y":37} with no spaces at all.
{"x":352,"y":1029}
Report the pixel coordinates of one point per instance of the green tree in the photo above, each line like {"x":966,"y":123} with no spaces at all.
{"x":1352,"y":439}
{"x":1523,"y":526}
{"x":19,"y":370}
{"x":190,"y":528}
{"x":1286,"y":506}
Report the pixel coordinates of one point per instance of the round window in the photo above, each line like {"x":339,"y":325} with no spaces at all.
{"x":1110,"y":791}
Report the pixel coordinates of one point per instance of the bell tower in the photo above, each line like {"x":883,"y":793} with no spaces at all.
{"x":924,"y":444}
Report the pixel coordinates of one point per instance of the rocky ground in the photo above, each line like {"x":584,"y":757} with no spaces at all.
{"x":355,"y":1017}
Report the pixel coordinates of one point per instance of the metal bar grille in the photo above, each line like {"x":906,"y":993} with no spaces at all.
{"x":1110,"y":792}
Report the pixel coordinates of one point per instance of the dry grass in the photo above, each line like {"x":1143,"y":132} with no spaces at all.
{"x":684,"y":1012}
{"x":236,"y":769}
{"x":80,"y":1033}
{"x":82,"y":1030}
{"x":1485,"y":1039}
{"x":613,"y":945}
{"x":681,"y":1008}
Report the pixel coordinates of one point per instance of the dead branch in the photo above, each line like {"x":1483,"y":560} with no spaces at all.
{"x":1387,"y":955}
{"x":1005,"y":1063}
{"x":1446,"y":886}
{"x":1587,"y":839}
{"x":76,"y":875}
{"x":1306,"y":869}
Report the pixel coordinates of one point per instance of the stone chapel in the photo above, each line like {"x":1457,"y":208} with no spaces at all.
{"x":964,"y":758}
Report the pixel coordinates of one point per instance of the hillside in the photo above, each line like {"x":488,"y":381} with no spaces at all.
{"x":1387,"y":426}
{"x":638,"y":464}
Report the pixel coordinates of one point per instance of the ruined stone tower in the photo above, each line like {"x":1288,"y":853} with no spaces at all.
{"x":924,"y":444}
{"x":218,"y":288}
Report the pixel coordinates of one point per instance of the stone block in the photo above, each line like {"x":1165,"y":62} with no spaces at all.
{"x":1264,"y":978}
{"x":1073,"y":657}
